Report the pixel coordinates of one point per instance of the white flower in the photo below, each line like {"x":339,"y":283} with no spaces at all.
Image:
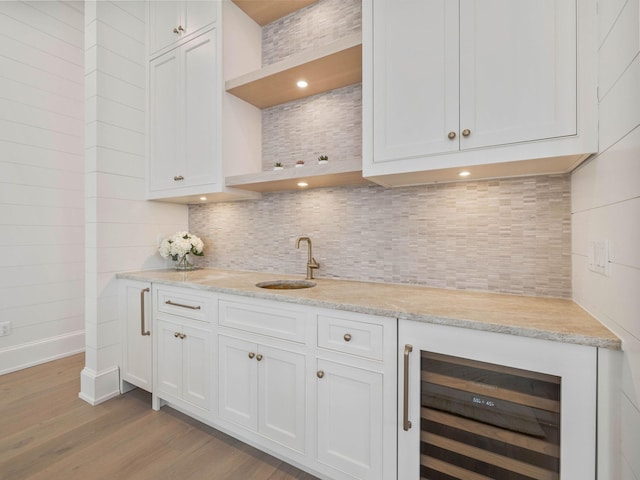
{"x":180,"y":244}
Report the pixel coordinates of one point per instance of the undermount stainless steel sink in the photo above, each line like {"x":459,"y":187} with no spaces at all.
{"x":286,"y":284}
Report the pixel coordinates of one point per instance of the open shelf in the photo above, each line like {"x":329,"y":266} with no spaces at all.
{"x":263,"y":12}
{"x":332,"y":174}
{"x":325,"y":68}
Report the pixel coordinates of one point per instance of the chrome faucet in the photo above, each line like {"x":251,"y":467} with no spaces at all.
{"x":311,"y":262}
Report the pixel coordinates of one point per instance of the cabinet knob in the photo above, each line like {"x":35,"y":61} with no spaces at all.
{"x":466,"y":132}
{"x":178,"y":30}
{"x":451,"y":135}
{"x":176,"y":334}
{"x":251,"y":354}
{"x":177,"y":178}
{"x":182,"y":336}
{"x":320,"y":373}
{"x":259,"y":357}
{"x":347,"y":337}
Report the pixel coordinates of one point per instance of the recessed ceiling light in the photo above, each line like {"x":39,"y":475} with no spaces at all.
{"x":464,"y":174}
{"x":302,"y":84}
{"x":303,"y":184}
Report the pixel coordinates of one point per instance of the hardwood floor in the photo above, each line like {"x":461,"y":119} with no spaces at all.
{"x":47,"y":432}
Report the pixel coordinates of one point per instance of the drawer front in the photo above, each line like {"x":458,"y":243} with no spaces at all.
{"x":350,"y":336}
{"x":184,"y":304}
{"x":263,"y":318}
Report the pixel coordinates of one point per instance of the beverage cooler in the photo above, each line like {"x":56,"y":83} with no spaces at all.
{"x":476,"y":405}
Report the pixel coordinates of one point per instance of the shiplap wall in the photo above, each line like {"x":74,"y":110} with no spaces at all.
{"x":41,"y":181}
{"x":122,"y":228}
{"x":606,"y":206}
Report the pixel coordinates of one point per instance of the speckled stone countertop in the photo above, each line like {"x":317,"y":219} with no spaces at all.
{"x":545,"y":318}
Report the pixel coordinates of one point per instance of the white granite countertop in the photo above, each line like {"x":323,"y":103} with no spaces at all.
{"x":553,"y":319}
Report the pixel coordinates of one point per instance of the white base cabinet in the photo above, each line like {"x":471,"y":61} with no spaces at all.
{"x":312,"y":386}
{"x":350,"y":419}
{"x":183,"y":350}
{"x":136,"y":368}
{"x":262,"y":388}
{"x":184,"y":362}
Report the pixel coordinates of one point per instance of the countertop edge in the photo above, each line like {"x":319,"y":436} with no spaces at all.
{"x":562,"y":337}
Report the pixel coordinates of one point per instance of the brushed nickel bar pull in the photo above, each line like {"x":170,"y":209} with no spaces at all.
{"x":142,"y":331}
{"x":169,"y":302}
{"x":406,"y":424}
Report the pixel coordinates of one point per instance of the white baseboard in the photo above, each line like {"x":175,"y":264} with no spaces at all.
{"x":98,"y":387}
{"x":27,"y":355}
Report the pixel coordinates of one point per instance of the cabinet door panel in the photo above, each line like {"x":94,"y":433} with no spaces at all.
{"x":415,"y":68}
{"x":281,"y":390}
{"x":196,"y":353}
{"x":349,"y":422}
{"x":517,"y":71}
{"x":137,"y":367}
{"x":169,"y":359}
{"x":238,"y":381}
{"x":164,"y":121}
{"x":163,"y":18}
{"x":199,"y":14}
{"x":199,"y":87}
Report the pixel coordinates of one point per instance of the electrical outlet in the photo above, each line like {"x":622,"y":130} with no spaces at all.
{"x":598,"y":257}
{"x":5,"y":329}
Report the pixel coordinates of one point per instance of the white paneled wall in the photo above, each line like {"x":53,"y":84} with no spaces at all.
{"x":121,"y":227}
{"x":606,"y":206}
{"x":41,"y":181}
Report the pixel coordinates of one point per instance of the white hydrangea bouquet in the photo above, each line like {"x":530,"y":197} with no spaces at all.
{"x":179,"y":246}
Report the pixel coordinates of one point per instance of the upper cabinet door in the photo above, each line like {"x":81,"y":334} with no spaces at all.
{"x":199,"y":14}
{"x":200,"y":121}
{"x":173,"y":21}
{"x":517,"y":71}
{"x":415,"y":67}
{"x":164,"y":24}
{"x":164,"y":121}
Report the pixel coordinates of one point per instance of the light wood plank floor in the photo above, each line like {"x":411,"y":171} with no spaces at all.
{"x":47,"y":432}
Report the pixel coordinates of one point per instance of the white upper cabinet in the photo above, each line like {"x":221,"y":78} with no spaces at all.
{"x":504,"y":87}
{"x":171,"y":22}
{"x":183,"y":116}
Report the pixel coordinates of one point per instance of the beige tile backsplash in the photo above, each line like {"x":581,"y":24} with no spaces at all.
{"x":507,"y":235}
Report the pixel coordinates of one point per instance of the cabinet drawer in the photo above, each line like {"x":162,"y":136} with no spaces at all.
{"x":263,"y":318}
{"x":184,"y":304}
{"x":350,"y":336}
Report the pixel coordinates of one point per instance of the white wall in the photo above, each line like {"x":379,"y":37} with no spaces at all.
{"x":122,"y":228}
{"x":606,"y":206}
{"x":41,"y":181}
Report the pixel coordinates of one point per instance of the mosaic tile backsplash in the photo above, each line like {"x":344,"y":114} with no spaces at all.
{"x":506,"y":235}
{"x":316,"y":25}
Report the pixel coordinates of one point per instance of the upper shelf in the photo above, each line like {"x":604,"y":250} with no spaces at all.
{"x":263,"y":12}
{"x":325,"y":68}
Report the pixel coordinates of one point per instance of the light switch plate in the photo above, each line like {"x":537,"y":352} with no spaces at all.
{"x":598,"y":257}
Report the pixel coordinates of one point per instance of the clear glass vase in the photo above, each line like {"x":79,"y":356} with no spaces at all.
{"x":183,"y":263}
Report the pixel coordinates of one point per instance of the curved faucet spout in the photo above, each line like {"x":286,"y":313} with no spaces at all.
{"x":311,"y":262}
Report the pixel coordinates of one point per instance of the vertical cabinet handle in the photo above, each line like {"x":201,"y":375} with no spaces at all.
{"x":143,"y":332}
{"x":406,"y":424}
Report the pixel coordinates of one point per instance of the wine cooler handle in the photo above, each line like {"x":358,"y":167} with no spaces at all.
{"x":143,"y":332}
{"x":406,"y":424}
